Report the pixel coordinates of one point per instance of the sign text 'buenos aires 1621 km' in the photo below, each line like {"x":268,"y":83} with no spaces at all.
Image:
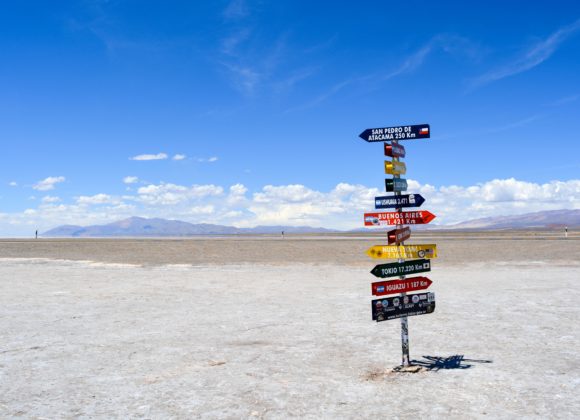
{"x":404,"y":268}
{"x":403,"y":132}
{"x":407,"y":285}
{"x":400,"y":306}
{"x":419,"y":217}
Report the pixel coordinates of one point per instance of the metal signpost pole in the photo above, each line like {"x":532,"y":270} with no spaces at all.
{"x":404,"y":320}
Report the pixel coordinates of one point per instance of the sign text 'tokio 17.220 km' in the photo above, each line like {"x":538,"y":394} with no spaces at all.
{"x":404,"y":268}
{"x":403,"y":132}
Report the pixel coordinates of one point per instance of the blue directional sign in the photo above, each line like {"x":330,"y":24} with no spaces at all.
{"x":395,"y":185}
{"x":397,"y":202}
{"x":404,"y":132}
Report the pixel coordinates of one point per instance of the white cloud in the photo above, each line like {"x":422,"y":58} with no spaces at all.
{"x":342,"y":207}
{"x":13,"y":184}
{"x":210,"y":159}
{"x":50,"y":199}
{"x":170,"y":194}
{"x":130,"y":180}
{"x":96,"y":199}
{"x":158,"y":156}
{"x":48,"y":184}
{"x":178,"y":157}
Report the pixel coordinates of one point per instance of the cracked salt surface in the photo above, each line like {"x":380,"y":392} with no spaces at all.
{"x":81,"y":339}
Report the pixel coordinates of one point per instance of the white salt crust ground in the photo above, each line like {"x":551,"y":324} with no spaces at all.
{"x":95,"y":340}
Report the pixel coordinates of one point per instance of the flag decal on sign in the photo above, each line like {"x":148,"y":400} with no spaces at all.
{"x":424,"y":130}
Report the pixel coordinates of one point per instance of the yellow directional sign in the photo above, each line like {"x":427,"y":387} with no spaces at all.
{"x":395,"y":168}
{"x":402,"y":251}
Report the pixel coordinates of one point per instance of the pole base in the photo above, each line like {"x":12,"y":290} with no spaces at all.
{"x":409,"y":369}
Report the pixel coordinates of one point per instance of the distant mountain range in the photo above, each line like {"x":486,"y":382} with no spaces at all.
{"x":140,"y":226}
{"x":540,"y":219}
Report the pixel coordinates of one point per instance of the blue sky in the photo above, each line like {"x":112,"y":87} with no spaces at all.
{"x":248,"y":112}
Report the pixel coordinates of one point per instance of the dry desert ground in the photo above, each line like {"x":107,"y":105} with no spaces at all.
{"x":265,"y":327}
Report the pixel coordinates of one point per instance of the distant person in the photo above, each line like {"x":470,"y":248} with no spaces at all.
{"x":282,"y":234}
{"x":36,"y":235}
{"x":566,"y":232}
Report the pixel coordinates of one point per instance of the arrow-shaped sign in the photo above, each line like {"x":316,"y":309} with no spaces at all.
{"x":402,"y":251}
{"x":400,"y":286}
{"x":398,"y":307}
{"x":398,"y":235}
{"x":420,"y":217}
{"x":401,"y":268}
{"x":399,"y":201}
{"x":403,"y":132}
{"x":394,"y":150}
{"x":395,"y":168}
{"x":395,"y":185}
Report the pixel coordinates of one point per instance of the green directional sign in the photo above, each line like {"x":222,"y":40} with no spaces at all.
{"x":405,"y":268}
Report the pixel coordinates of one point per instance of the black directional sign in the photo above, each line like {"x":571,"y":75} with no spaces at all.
{"x":403,"y":132}
{"x":400,"y":306}
{"x":401,"y":269}
{"x":395,"y":184}
{"x":399,"y":201}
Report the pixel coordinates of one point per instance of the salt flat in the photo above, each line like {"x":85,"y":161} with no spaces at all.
{"x":281,"y":331}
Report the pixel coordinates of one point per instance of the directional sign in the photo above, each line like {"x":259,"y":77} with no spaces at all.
{"x":419,"y":217}
{"x":394,"y":150}
{"x":402,"y":251}
{"x":400,"y":286}
{"x":401,"y":268}
{"x":395,"y":167}
{"x":398,"y":235}
{"x":398,"y":307}
{"x":395,"y":185}
{"x":404,"y":132}
{"x":398,"y":201}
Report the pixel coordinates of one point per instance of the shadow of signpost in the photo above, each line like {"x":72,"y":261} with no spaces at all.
{"x":457,"y":361}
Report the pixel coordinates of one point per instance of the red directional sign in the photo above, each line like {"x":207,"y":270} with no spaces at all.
{"x":400,"y":286}
{"x":399,"y":218}
{"x":394,"y":150}
{"x":396,"y":236}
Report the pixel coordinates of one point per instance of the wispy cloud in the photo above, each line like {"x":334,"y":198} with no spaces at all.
{"x":48,"y":183}
{"x":13,"y":184}
{"x":210,"y":159}
{"x":236,"y":9}
{"x":158,"y":156}
{"x":450,"y":44}
{"x":179,"y":156}
{"x":533,"y":57}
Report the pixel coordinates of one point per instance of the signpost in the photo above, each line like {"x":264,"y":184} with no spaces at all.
{"x":403,"y":132}
{"x":395,"y":185}
{"x":396,"y":236}
{"x":398,"y":201}
{"x":401,"y":268}
{"x":402,"y":251}
{"x":400,"y":286}
{"x":402,"y":306}
{"x":419,"y":217}
{"x":395,"y":168}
